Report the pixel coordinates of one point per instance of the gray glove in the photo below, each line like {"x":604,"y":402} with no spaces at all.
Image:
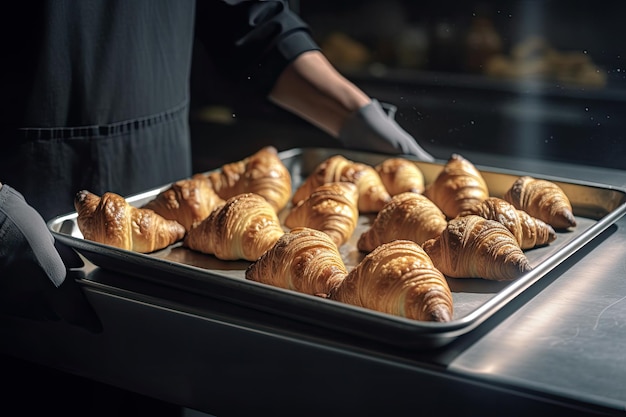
{"x":29,"y":262}
{"x":372,"y":129}
{"x":36,"y":276}
{"x":24,"y":237}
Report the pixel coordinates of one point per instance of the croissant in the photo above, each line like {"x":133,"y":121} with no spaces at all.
{"x":111,"y":220}
{"x":187,"y":201}
{"x":528,"y":230}
{"x":262,"y":173}
{"x":331,"y":208}
{"x":304,"y":260}
{"x":400,"y":175}
{"x":458,"y":187}
{"x":243,"y":228}
{"x":474,"y":247}
{"x":398,"y":278}
{"x":542,"y":199}
{"x":408,"y":216}
{"x":372,"y":192}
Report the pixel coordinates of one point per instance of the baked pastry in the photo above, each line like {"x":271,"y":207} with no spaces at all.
{"x":400,"y":175}
{"x":304,"y":260}
{"x":111,"y":220}
{"x":408,"y":216}
{"x":398,"y":278}
{"x":372,"y":192}
{"x":187,"y":201}
{"x":528,"y":230}
{"x":458,"y":186}
{"x":262,"y":173}
{"x":474,"y":247}
{"x":542,"y":199}
{"x":244,"y":227}
{"x":331,"y":208}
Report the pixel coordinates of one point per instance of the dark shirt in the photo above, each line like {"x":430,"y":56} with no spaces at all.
{"x":96,"y":92}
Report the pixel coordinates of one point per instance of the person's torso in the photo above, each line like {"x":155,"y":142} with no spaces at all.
{"x":96,"y":96}
{"x":96,"y":62}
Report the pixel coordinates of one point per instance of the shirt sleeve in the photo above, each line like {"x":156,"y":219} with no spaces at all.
{"x":252,"y":41}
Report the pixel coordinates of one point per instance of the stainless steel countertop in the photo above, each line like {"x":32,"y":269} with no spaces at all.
{"x":558,"y":348}
{"x":570,"y":338}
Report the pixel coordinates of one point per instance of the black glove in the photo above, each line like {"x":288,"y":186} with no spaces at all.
{"x":372,"y":129}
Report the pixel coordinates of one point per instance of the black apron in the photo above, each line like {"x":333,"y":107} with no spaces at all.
{"x":96,"y":92}
{"x":53,"y":164}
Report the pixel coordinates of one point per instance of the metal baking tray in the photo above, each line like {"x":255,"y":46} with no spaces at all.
{"x":596,"y":207}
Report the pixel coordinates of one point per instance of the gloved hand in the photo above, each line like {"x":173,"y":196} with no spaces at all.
{"x":29,"y":262}
{"x":372,"y":129}
{"x":36,"y":276}
{"x":25,"y":238}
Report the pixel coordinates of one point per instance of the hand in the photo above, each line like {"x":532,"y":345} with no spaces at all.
{"x":372,"y":129}
{"x":37,"y":278}
{"x":26,"y":238}
{"x":29,"y":262}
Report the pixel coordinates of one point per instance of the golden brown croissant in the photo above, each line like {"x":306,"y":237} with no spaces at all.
{"x":187,"y":201}
{"x":528,"y":230}
{"x":262,"y":173}
{"x":542,"y":199}
{"x":331,"y":208}
{"x":475,"y":247}
{"x":408,"y":216}
{"x":372,"y":192}
{"x":244,"y":227}
{"x":111,"y":220}
{"x":400,"y":175}
{"x":398,"y":278}
{"x":304,"y":260}
{"x":458,"y":187}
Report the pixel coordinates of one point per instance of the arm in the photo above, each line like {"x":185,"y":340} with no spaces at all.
{"x":311,"y":88}
{"x":314,"y":90}
{"x":269,"y":49}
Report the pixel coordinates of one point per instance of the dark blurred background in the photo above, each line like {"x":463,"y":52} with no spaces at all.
{"x":535,"y":79}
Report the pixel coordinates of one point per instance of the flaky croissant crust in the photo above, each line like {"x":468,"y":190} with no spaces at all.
{"x":458,"y":186}
{"x":244,"y":227}
{"x":372,"y":192}
{"x":111,"y":220}
{"x":408,"y":216}
{"x":542,"y":199}
{"x":400,"y":175}
{"x":528,"y":230}
{"x":398,"y":278}
{"x":474,"y":247}
{"x":331,"y":208}
{"x":187,"y":201}
{"x":262,"y":173}
{"x":304,"y":260}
